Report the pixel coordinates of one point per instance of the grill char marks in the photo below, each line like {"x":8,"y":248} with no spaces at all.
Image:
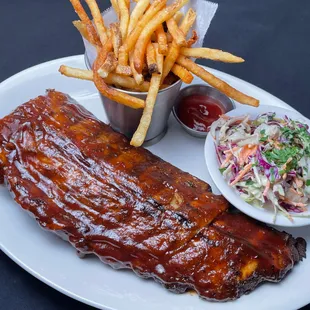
{"x":132,"y":209}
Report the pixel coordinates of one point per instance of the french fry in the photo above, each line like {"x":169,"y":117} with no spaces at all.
{"x":126,"y":82}
{"x":115,"y":6}
{"x":85,"y":33}
{"x":108,"y":92}
{"x":98,"y":20}
{"x":108,"y":66}
{"x":76,"y":73}
{"x":123,"y":70}
{"x":139,"y":47}
{"x":151,"y":58}
{"x":161,"y":38}
{"x":193,"y":39}
{"x":79,"y":10}
{"x":170,"y":59}
{"x":178,"y":16}
{"x":123,"y":56}
{"x":188,"y":21}
{"x":112,"y":79}
{"x":137,"y":13}
{"x":131,"y":40}
{"x":109,"y":33}
{"x":141,"y":132}
{"x":85,"y":19}
{"x":182,"y":73}
{"x":124,"y":18}
{"x":209,"y":53}
{"x":174,"y":49}
{"x":169,"y":37}
{"x":116,"y":38}
{"x":127,"y":4}
{"x":137,"y":76}
{"x":146,"y":33}
{"x":176,"y":33}
{"x":216,"y":82}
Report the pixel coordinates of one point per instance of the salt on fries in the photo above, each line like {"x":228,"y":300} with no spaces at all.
{"x":137,"y":13}
{"x":176,"y":33}
{"x":140,"y":134}
{"x":174,"y":49}
{"x":145,"y":51}
{"x":208,"y":53}
{"x":131,"y":40}
{"x":108,"y":66}
{"x":98,"y":20}
{"x":109,"y":92}
{"x":161,"y":17}
{"x":85,"y":31}
{"x":182,"y":73}
{"x":216,"y":82}
{"x":116,"y":38}
{"x":124,"y":17}
{"x":86,"y":21}
{"x":161,"y":38}
{"x":112,"y":79}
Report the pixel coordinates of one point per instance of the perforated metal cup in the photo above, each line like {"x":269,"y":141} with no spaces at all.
{"x":126,"y":120}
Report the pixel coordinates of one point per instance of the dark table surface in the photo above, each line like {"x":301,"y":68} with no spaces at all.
{"x":273,"y":37}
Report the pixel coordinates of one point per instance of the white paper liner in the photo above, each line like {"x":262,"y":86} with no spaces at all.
{"x":205,"y":12}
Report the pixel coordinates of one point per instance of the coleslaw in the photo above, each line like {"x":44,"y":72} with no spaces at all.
{"x":266,"y":160}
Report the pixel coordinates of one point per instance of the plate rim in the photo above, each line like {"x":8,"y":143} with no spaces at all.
{"x":79,"y":58}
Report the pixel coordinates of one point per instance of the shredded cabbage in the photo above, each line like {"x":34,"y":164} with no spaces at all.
{"x":267,"y":160}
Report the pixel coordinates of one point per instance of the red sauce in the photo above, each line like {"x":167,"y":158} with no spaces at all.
{"x":199,"y":111}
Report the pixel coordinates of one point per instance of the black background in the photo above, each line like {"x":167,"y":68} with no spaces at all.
{"x":272,"y":35}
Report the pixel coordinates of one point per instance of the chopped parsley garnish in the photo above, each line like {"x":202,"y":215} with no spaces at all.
{"x":263,"y":137}
{"x":281,"y":172}
{"x":298,"y":136}
{"x":308,"y":183}
{"x":222,"y":170}
{"x":272,"y":175}
{"x":280,"y":156}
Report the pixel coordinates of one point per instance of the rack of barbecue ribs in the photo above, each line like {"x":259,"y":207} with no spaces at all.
{"x":133,"y":210}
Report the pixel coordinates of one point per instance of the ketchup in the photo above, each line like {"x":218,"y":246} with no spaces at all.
{"x":199,"y":111}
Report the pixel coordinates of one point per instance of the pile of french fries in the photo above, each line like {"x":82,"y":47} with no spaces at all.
{"x":147,"y":50}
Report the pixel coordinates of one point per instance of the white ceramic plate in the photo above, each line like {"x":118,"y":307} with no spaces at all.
{"x":265,"y":215}
{"x":54,"y":261}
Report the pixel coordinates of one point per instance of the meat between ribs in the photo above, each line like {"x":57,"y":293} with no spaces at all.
{"x":132,"y":209}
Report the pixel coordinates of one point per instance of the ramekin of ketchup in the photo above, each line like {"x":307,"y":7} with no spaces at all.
{"x":198,"y":106}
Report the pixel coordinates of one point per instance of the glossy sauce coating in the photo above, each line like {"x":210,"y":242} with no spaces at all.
{"x":199,"y":111}
{"x":132,"y":209}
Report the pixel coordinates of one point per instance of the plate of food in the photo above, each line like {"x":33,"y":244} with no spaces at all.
{"x":259,"y":159}
{"x":148,"y":213}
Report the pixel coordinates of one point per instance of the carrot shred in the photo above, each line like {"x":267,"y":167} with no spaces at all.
{"x":234,"y":149}
{"x":266,"y":188}
{"x":246,"y":152}
{"x":241,"y":174}
{"x":227,"y":159}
